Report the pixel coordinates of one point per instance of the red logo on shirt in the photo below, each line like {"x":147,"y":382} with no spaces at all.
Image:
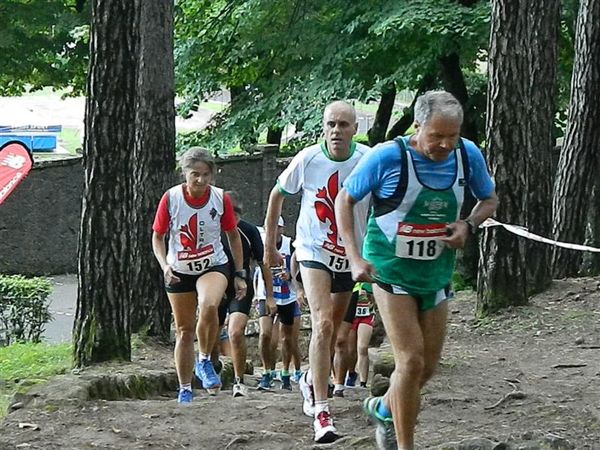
{"x":325,"y":206}
{"x":188,"y":234}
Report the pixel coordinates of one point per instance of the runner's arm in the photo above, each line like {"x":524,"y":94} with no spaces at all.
{"x":272,"y":257}
{"x":235,"y":244}
{"x":160,"y":252}
{"x":344,"y":206}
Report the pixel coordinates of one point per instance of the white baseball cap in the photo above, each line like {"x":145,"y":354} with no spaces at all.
{"x":280,"y":222}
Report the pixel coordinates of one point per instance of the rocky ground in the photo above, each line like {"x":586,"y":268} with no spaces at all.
{"x":527,"y":379}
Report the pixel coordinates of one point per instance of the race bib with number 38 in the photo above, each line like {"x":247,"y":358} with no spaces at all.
{"x":420,"y":241}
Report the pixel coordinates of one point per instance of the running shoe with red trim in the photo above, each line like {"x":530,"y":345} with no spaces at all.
{"x":325,"y":432}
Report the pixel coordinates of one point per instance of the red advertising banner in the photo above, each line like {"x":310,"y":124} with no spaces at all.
{"x":15,"y":164}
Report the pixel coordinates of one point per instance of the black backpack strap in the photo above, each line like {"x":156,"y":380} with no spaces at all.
{"x":383,"y":206}
{"x":465,"y":159}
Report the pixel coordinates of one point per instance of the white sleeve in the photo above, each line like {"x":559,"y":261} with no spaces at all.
{"x":292,"y":178}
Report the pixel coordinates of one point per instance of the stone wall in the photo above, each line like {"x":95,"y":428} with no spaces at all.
{"x":39,"y":222}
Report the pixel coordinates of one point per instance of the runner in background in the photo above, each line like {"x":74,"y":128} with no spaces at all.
{"x":288,"y":313}
{"x":238,"y":310}
{"x":360,"y":336}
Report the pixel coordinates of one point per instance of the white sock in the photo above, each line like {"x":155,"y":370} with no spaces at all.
{"x":309,"y":379}
{"x":320,"y":406}
{"x":202,"y":356}
{"x":186,"y":387}
{"x":338,"y":388}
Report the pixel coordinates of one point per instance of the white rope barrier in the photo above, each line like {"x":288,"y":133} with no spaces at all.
{"x":522,"y":231}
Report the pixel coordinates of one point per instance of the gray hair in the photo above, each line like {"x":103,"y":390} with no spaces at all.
{"x":437,"y":102}
{"x":195,"y":155}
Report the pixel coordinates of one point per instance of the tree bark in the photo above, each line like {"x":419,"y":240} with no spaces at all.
{"x":515,"y":43}
{"x":383,"y":115}
{"x":154,"y":163}
{"x":579,"y":162}
{"x":591,"y":261}
{"x":102,"y":326}
{"x":542,"y":59}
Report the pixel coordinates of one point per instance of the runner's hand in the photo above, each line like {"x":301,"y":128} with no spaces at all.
{"x":170,"y":277}
{"x":458,"y":232}
{"x":271,"y":306}
{"x":362,"y":270}
{"x":240,"y":288}
{"x":272,"y":258}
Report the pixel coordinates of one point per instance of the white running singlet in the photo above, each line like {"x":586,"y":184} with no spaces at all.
{"x":195,"y":233}
{"x":320,"y":179}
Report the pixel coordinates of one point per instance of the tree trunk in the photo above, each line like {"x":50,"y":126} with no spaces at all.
{"x":454,"y":82}
{"x":399,"y":128}
{"x":154,"y":163}
{"x":591,"y":261}
{"x":542,"y":55}
{"x":502,"y":277}
{"x":383,"y":115}
{"x":579,"y":163}
{"x":102,"y":327}
{"x":274,"y":135}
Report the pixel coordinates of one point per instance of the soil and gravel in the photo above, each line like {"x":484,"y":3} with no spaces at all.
{"x":526,"y":379}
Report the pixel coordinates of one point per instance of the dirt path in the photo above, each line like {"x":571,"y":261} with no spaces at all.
{"x":528,"y":379}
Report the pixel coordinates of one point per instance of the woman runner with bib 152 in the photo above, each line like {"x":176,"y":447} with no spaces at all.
{"x":195,"y":266}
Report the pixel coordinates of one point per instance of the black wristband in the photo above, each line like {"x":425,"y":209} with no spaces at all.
{"x":471,"y":225}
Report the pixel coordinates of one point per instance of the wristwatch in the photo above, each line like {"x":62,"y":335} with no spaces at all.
{"x":240,"y":274}
{"x":471,"y":225}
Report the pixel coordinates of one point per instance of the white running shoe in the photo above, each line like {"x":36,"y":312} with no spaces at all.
{"x":240,"y":390}
{"x":308,"y":405}
{"x":325,"y":432}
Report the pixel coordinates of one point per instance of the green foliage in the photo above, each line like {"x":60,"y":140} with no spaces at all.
{"x":362,"y":139}
{"x":43,"y":43}
{"x":284,"y":60}
{"x":23,"y":365}
{"x":23,"y":308}
{"x":459,"y":283}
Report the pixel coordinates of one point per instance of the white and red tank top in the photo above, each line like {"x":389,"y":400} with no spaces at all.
{"x":195,"y":232}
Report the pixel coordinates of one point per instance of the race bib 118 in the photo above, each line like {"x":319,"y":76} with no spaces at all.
{"x":420,"y":241}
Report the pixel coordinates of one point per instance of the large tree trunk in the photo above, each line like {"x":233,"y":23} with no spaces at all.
{"x":542,"y":54}
{"x":383,"y":115}
{"x":502,"y":277}
{"x":102,"y":327}
{"x":579,"y":162}
{"x":153,"y":163}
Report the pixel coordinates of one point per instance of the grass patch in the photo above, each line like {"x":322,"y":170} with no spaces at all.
{"x":24,"y":365}
{"x":213,"y":106}
{"x":70,"y":139}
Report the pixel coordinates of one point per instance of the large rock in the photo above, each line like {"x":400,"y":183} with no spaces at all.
{"x":382,"y":360}
{"x":379,"y":385}
{"x":227,"y":373}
